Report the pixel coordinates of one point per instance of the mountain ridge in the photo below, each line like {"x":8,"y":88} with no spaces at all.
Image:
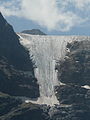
{"x":33,"y":32}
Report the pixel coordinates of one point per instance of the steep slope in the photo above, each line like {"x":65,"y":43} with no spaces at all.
{"x":16,"y":67}
{"x":11,"y":48}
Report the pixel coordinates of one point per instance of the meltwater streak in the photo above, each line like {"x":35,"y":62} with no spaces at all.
{"x":46,"y":51}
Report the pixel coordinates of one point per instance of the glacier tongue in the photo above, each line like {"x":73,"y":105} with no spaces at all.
{"x":46,"y":50}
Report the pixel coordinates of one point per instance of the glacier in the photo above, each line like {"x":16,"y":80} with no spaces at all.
{"x":46,"y":51}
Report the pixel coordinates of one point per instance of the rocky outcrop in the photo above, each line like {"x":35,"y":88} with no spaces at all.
{"x":16,"y":68}
{"x":75,"y":69}
{"x":74,"y":72}
{"x":7,"y":103}
{"x":33,"y":32}
{"x":17,"y":82}
{"x":71,"y":94}
{"x":13,"y":109}
{"x":71,"y":112}
{"x":11,"y":48}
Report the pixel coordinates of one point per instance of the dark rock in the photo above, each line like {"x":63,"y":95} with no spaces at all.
{"x":13,"y":109}
{"x":75,"y":69}
{"x":71,"y":94}
{"x":73,"y":112}
{"x":16,"y":82}
{"x":17,"y":78}
{"x":26,"y":112}
{"x":33,"y":32}
{"x":74,"y":72}
{"x":11,"y":48}
{"x":7,"y":103}
{"x":16,"y":68}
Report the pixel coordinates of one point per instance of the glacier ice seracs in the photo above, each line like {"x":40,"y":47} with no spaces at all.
{"x":46,"y":51}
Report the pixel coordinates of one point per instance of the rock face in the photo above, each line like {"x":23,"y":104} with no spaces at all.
{"x":17,"y":79}
{"x":73,"y":112}
{"x":33,"y":32}
{"x":17,"y":82}
{"x":74,"y":72}
{"x":70,"y":94}
{"x":7,"y":103}
{"x":11,"y":48}
{"x":14,"y":109}
{"x":16,"y":68}
{"x":75,"y":69}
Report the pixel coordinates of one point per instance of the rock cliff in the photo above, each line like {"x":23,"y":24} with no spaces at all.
{"x":16,"y":68}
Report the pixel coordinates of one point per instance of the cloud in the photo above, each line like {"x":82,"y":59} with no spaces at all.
{"x":81,"y":4}
{"x":59,"y":15}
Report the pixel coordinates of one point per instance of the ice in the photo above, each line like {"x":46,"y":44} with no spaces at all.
{"x":46,"y":51}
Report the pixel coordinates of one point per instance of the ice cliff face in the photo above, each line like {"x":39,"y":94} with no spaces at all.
{"x":45,"y":52}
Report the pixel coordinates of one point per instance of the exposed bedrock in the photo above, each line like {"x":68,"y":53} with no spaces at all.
{"x":11,"y":48}
{"x":13,"y":109}
{"x":75,"y":69}
{"x":16,"y":68}
{"x":74,"y":72}
{"x":70,"y":94}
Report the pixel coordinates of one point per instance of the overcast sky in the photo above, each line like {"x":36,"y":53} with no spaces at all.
{"x":51,"y":16}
